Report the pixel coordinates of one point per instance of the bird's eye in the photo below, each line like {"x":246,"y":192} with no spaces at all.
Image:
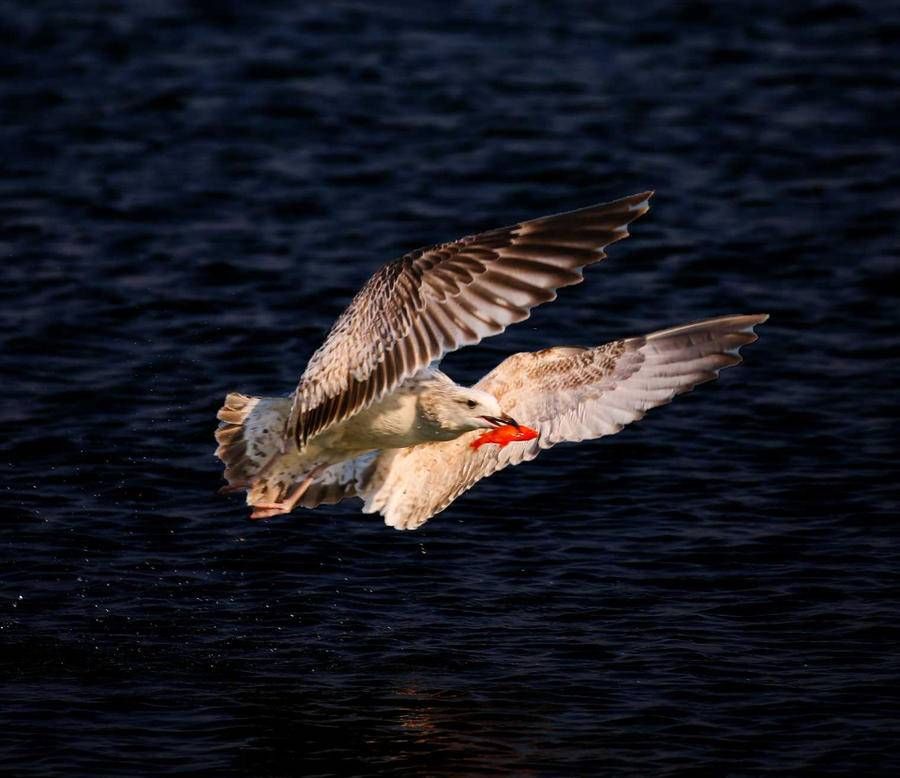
{"x":471,"y":403}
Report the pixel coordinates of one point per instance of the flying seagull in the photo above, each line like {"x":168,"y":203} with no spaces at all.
{"x":374,"y":417}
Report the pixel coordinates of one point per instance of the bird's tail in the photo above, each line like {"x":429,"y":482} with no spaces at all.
{"x":251,"y":434}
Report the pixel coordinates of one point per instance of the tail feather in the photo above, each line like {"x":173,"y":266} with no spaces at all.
{"x":251,"y":440}
{"x":236,"y":408}
{"x":251,"y":433}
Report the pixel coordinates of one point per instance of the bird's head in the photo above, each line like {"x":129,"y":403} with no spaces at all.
{"x":463,"y":409}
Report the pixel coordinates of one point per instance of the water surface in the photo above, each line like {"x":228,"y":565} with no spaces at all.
{"x":190,"y":193}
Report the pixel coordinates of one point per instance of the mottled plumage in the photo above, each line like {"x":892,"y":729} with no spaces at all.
{"x":435,"y":300}
{"x":567,"y":395}
{"x":373,"y":418}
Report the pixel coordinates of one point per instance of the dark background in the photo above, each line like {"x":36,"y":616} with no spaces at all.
{"x":191,"y":192}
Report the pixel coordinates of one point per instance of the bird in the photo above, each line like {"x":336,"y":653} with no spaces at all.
{"x":373,"y":416}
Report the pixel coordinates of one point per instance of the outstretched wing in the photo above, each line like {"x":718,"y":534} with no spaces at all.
{"x":429,"y":302}
{"x":339,"y":481}
{"x":566,"y":394}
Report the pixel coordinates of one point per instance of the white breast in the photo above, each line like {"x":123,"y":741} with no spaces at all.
{"x":393,"y":422}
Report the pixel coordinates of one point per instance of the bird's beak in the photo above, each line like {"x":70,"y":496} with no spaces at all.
{"x":501,"y":421}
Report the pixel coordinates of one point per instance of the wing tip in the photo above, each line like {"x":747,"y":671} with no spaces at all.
{"x":641,"y":201}
{"x":734,"y":322}
{"x":729,"y":333}
{"x":747,"y":322}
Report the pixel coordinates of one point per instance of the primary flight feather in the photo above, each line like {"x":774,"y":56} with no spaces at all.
{"x":373,"y":417}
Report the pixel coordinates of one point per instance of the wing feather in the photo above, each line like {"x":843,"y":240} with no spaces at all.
{"x":435,"y":300}
{"x":567,"y":394}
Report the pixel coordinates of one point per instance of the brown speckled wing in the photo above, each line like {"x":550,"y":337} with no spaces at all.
{"x":567,"y":394}
{"x":339,"y":481}
{"x":435,"y":300}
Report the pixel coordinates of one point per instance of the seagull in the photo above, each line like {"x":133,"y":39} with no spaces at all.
{"x":373,"y":416}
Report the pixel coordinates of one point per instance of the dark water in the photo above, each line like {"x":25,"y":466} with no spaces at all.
{"x":189,"y":194}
